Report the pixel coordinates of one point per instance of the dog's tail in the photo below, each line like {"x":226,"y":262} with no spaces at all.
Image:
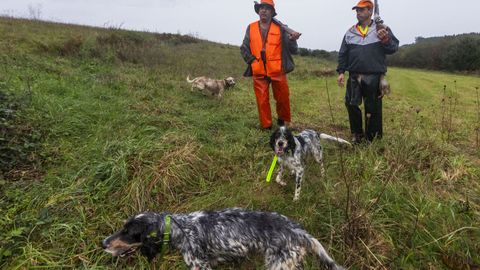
{"x":325,"y":259}
{"x":188,"y":79}
{"x":334,"y":139}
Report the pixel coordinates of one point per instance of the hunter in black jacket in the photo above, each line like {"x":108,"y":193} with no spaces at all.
{"x":363,"y":55}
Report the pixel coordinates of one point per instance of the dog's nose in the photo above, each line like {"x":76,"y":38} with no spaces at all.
{"x":103,"y":244}
{"x":280,"y":144}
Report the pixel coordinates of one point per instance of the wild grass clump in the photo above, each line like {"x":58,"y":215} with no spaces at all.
{"x":21,"y":160}
{"x":19,"y":141}
{"x":160,"y":181}
{"x":125,"y":46}
{"x":391,"y":184}
{"x":477,"y":128}
{"x":152,"y":176}
{"x":71,"y":47}
{"x":176,"y":39}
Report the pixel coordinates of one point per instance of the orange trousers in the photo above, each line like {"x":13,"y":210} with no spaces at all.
{"x":281,"y":95}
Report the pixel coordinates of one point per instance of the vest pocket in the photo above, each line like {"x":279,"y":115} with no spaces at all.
{"x":257,"y":67}
{"x":274,"y":67}
{"x":274,"y":54}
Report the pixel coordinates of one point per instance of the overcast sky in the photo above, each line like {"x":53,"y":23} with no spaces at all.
{"x":322,"y":22}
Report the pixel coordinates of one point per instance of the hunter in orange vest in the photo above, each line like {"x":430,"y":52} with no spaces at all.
{"x":267,"y":49}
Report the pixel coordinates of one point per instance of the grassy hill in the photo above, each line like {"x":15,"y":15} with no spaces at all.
{"x":99,"y":124}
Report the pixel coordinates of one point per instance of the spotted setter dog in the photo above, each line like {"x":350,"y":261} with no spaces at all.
{"x":206,"y":239}
{"x":292,"y":152}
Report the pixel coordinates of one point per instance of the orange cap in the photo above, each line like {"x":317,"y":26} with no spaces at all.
{"x":363,"y":4}
{"x":265,"y":2}
{"x":268,"y":2}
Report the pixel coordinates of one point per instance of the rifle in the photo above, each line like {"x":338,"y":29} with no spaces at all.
{"x":289,"y":30}
{"x":383,"y":85}
{"x":376,"y":17}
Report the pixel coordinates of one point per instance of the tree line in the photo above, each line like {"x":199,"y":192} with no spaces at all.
{"x":330,"y":56}
{"x":450,"y":53}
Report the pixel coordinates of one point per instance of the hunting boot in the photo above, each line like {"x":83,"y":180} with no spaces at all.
{"x":358,"y":138}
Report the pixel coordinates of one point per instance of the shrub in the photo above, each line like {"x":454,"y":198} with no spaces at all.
{"x":18,"y":141}
{"x":452,"y":53}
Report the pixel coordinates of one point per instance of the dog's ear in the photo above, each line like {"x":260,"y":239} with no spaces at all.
{"x":151,"y":246}
{"x":272,"y":139}
{"x":152,"y":239}
{"x":135,"y":228}
{"x":150,"y":249}
{"x":291,"y":141}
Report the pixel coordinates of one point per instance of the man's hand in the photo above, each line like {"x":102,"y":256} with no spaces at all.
{"x":383,"y":35}
{"x":295,"y":35}
{"x":341,"y":80}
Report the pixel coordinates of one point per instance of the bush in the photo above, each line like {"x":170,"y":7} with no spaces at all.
{"x":464,"y":54}
{"x":18,"y":142}
{"x":452,"y":53}
{"x":72,"y":46}
{"x":124,"y":46}
{"x":322,"y":54}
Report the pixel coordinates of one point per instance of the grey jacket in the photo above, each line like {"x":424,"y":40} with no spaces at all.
{"x":365,"y":54}
{"x":287,"y":61}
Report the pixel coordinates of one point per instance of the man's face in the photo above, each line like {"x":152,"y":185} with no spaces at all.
{"x":363,"y":14}
{"x":265,"y":13}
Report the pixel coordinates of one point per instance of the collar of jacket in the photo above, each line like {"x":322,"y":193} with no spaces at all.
{"x":371,"y":28}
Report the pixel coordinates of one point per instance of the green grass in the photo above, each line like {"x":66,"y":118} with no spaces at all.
{"x":120,"y":132}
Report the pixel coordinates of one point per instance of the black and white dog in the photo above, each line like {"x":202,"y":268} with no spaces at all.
{"x":208,"y":238}
{"x":293,"y":150}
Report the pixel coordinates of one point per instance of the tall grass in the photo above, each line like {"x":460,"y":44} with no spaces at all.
{"x":120,"y":132}
{"x":477,"y":129}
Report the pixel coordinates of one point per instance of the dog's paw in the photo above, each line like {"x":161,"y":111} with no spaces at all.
{"x":295,"y":198}
{"x":279,"y":180}
{"x":281,"y":183}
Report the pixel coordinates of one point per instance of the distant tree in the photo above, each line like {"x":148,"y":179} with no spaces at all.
{"x":35,"y":11}
{"x":464,"y":54}
{"x":419,"y":39}
{"x":321,"y":54}
{"x":304,"y":52}
{"x":331,"y":56}
{"x":454,"y":53}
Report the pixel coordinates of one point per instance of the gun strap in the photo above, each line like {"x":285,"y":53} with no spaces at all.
{"x":263,"y":53}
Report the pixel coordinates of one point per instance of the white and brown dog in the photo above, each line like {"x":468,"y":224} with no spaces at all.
{"x":211,"y":86}
{"x":292,"y":152}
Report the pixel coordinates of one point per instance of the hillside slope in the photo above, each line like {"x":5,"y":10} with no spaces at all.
{"x":105,"y":126}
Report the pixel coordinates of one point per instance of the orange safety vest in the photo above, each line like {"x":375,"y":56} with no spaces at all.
{"x":273,"y":50}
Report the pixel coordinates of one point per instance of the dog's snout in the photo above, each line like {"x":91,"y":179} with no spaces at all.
{"x":103,"y":244}
{"x":280,"y":143}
